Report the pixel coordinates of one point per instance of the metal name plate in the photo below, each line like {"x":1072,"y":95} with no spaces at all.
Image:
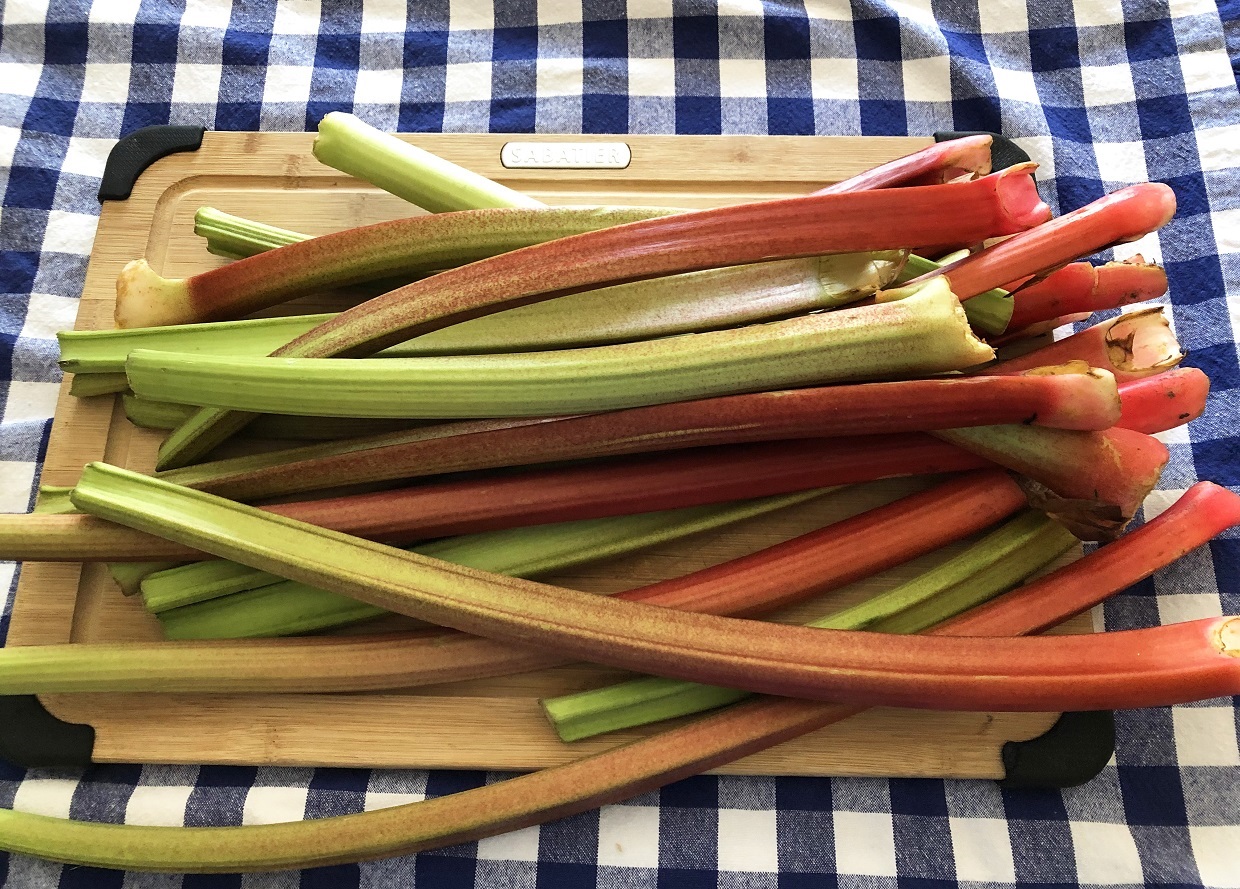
{"x":569,"y":155}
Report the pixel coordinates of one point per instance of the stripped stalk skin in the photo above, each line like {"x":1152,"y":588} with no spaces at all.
{"x":756,"y":232}
{"x":696,"y":477}
{"x":608,"y":777}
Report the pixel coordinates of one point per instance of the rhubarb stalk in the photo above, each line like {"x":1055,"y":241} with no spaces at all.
{"x":1082,"y":287}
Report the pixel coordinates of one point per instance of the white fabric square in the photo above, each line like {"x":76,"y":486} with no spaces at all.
{"x":560,"y":77}
{"x":628,"y":836}
{"x":1002,"y":16}
{"x":287,"y":83}
{"x":158,"y":805}
{"x":833,"y":78}
{"x":382,"y":799}
{"x":1175,"y":435}
{"x":296,"y":17}
{"x":1107,"y":84}
{"x":30,"y":401}
{"x":1148,"y":246}
{"x":1219,"y":147}
{"x":1121,"y":161}
{"x":928,"y":79}
{"x":1099,"y":12}
{"x":1214,"y":849}
{"x":467,"y":82}
{"x":1179,"y":607}
{"x":920,"y":11}
{"x":1183,"y":8}
{"x":518,"y":845}
{"x":1041,"y":150}
{"x":27,"y":12}
{"x":45,"y":796}
{"x":122,"y":12}
{"x":742,"y":78}
{"x":378,"y":87}
{"x":8,"y":145}
{"x":20,"y":80}
{"x":833,"y":10}
{"x":476,"y":15}
{"x":48,"y":315}
{"x":1016,"y":85}
{"x":196,"y":84}
{"x":7,"y":570}
{"x":865,"y":844}
{"x":86,"y":156}
{"x":384,"y":17}
{"x":1205,"y":736}
{"x":747,"y":841}
{"x":1159,"y":502}
{"x":16,"y":482}
{"x":205,"y":14}
{"x":982,"y":848}
{"x":740,"y":7}
{"x":1206,"y":71}
{"x":105,"y":82}
{"x":559,"y":12}
{"x":70,"y":232}
{"x":272,"y":805}
{"x":1227,"y":232}
{"x":649,"y":9}
{"x":1106,"y":854}
{"x":652,"y":77}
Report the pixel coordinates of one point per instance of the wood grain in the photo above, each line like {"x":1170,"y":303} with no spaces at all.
{"x":494,"y":724}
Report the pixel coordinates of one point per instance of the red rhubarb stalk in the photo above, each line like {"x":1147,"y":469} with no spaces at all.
{"x":564,"y":493}
{"x":870,"y":220}
{"x":1164,"y":401}
{"x":1134,"y":345}
{"x":1136,"y":668}
{"x":934,"y":165}
{"x":1121,"y":216}
{"x":1082,"y":287}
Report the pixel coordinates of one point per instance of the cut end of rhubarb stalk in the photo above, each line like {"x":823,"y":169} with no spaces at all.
{"x":851,"y":277}
{"x":1229,"y":637}
{"x":1151,"y":206}
{"x":1018,"y":195}
{"x":147,"y":299}
{"x":1143,"y":341}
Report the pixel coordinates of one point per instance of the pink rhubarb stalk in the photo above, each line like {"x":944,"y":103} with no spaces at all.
{"x":1119,"y":217}
{"x":564,"y":493}
{"x":1134,"y":345}
{"x":934,"y":165}
{"x":1082,"y":287}
{"x":1169,"y":399}
{"x":1004,"y":202}
{"x":1137,"y":668}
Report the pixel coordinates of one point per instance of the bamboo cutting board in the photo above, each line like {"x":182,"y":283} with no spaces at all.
{"x":494,"y":724}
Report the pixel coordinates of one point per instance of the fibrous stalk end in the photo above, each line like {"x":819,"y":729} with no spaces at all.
{"x":145,"y":298}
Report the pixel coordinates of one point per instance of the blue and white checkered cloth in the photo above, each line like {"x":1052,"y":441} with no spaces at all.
{"x":1101,"y":93}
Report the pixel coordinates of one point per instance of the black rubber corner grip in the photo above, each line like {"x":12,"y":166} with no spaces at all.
{"x":137,"y":151}
{"x":32,"y":737}
{"x":1004,"y":152}
{"x":1072,"y":751}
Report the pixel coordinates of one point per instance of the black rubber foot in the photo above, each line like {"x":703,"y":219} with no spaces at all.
{"x":33,"y":738}
{"x":137,"y":151}
{"x":1071,"y":752}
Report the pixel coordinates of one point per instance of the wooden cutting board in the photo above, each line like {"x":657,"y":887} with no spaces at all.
{"x":494,"y":724}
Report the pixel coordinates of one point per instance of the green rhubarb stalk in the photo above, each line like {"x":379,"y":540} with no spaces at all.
{"x":727,"y":236}
{"x":235,"y":237}
{"x":54,"y":500}
{"x":88,"y":385}
{"x":1134,"y":668}
{"x":418,"y":176}
{"x":150,"y":414}
{"x":276,"y":607}
{"x":707,"y":300}
{"x":926,"y":333}
{"x":997,"y":562}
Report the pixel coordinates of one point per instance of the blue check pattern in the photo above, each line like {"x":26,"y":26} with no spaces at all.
{"x":1101,"y":93}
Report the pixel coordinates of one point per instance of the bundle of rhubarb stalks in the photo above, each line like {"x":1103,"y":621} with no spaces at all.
{"x":528,"y":388}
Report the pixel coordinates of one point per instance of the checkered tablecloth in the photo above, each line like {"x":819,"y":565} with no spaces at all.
{"x":1100,"y":93}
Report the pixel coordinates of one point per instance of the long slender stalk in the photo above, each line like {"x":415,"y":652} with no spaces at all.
{"x":613,"y":775}
{"x":924,"y":334}
{"x":813,"y":563}
{"x":1133,"y":668}
{"x":235,"y":237}
{"x":936,"y":164}
{"x":1164,"y":401}
{"x":726,"y":236}
{"x":88,"y":385}
{"x":1081,"y":287}
{"x":150,"y":414}
{"x":999,"y":561}
{"x":990,"y":313}
{"x":526,"y":551}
